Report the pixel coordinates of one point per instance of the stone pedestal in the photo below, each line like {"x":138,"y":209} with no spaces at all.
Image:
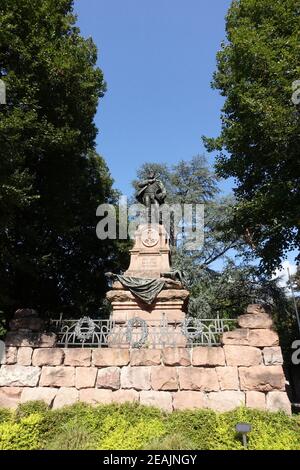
{"x":163,"y":318}
{"x":171,"y":302}
{"x":150,"y":259}
{"x":150,"y":255}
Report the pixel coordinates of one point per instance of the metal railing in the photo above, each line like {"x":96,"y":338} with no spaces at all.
{"x":137,"y":333}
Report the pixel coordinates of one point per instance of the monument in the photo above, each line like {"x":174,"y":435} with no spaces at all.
{"x":146,"y":352}
{"x":149,"y":290}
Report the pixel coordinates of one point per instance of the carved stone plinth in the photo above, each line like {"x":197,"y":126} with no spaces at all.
{"x":171,"y":302}
{"x":163,"y":318}
{"x":150,"y":256}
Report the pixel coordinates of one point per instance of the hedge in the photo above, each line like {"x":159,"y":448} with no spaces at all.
{"x":132,"y":426}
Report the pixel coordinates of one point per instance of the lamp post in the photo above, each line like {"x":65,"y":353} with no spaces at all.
{"x":243,"y":429}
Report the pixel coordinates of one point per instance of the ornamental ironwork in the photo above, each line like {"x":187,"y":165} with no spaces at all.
{"x":205,"y":331}
{"x":142,"y":326}
{"x":137,"y":333}
{"x":192,"y":330}
{"x":83,"y":332}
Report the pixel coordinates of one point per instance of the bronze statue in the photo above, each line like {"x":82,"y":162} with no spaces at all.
{"x":152,"y":191}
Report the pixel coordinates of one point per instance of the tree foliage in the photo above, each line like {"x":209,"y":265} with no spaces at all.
{"x":51,"y":179}
{"x":259,"y":142}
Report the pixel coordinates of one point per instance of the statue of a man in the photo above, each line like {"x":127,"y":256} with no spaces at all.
{"x":152,"y":191}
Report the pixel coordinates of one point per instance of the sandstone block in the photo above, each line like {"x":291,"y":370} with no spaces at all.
{"x":109,"y":377}
{"x":145,"y":357}
{"x":167,"y":295}
{"x":225,"y":401}
{"x":246,"y":337}
{"x":255,"y":321}
{"x":181,"y":339}
{"x":78,"y":357}
{"x":57,"y":376}
{"x":257,"y":308}
{"x":121,"y":296}
{"x":228,"y":378}
{"x":85,"y":377}
{"x":164,"y":378}
{"x":33,"y":324}
{"x":208,"y":356}
{"x":239,"y":337}
{"x":19,"y":376}
{"x":162,"y":400}
{"x":119,"y":316}
{"x":10,"y":355}
{"x":272,"y":356}
{"x":124,"y":396}
{"x":263,"y":338}
{"x":256,"y":400}
{"x":31,"y":339}
{"x":262,"y":378}
{"x":13,"y":339}
{"x":45,"y":340}
{"x":47,"y":357}
{"x":25,"y":313}
{"x":46,"y":394}
{"x":278,"y":401}
{"x":174,"y":315}
{"x":24,"y":356}
{"x":176,"y":357}
{"x":65,"y":397}
{"x":198,"y":379}
{"x":105,"y":357}
{"x":188,"y":400}
{"x":242,"y":355}
{"x":96,"y":396}
{"x":10,"y":397}
{"x":135,"y":377}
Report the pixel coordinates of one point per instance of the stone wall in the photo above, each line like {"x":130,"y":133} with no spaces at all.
{"x":245,"y":370}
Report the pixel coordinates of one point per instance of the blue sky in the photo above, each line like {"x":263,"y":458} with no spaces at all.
{"x":158,"y":58}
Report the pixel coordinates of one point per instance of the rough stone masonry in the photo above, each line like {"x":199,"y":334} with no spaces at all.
{"x":245,"y":370}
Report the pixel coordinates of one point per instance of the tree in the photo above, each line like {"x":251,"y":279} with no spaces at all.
{"x":229,"y":291}
{"x":257,"y":69}
{"x":51,"y":179}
